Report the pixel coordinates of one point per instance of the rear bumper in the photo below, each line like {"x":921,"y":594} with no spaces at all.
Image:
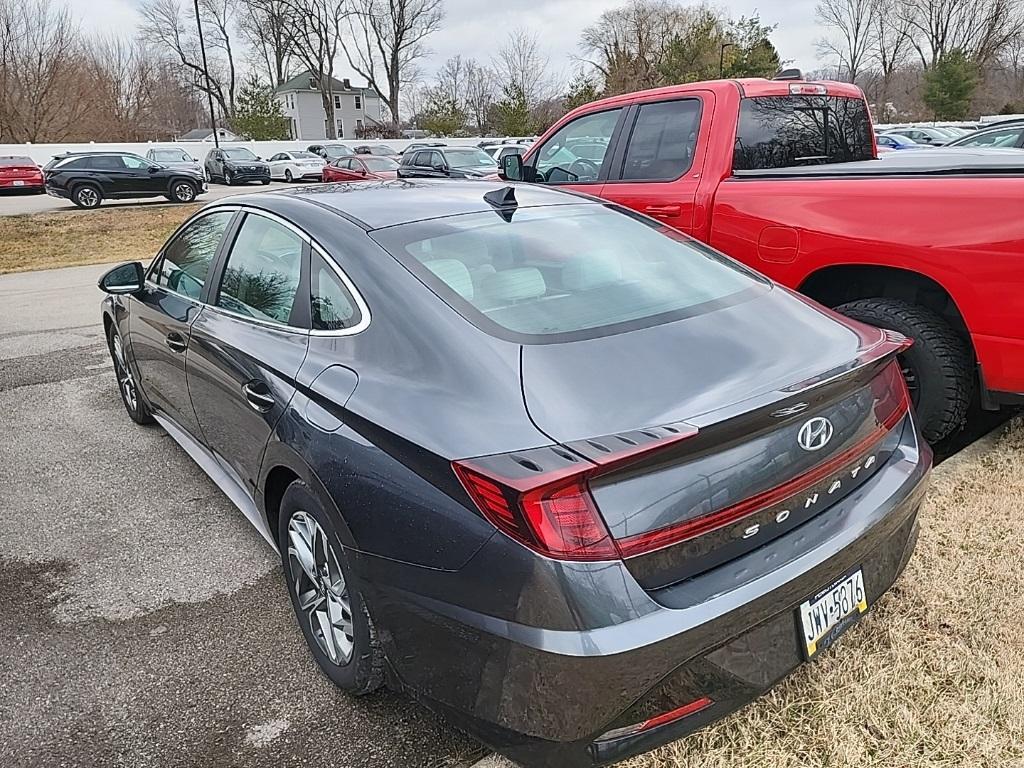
{"x":583,"y":650}
{"x":12,"y":185}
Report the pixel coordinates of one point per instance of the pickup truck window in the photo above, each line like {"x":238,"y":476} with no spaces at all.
{"x":663,"y":140}
{"x":579,"y":150}
{"x":787,"y":131}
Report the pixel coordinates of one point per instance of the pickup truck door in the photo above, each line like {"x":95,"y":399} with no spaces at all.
{"x":578,"y":155}
{"x":659,"y":158}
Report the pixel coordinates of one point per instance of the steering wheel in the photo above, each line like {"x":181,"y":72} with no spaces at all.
{"x":582,"y":167}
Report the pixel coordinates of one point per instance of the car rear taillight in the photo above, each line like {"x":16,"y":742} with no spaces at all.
{"x":553,"y":512}
{"x":663,"y":719}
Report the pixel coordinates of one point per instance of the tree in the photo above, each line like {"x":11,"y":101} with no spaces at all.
{"x":949,"y":86}
{"x":852,"y":23}
{"x":480,"y":94}
{"x":979,"y":29}
{"x":258,"y":114}
{"x":521,"y":63}
{"x":442,"y":116}
{"x":315,"y":40}
{"x":267,"y":26}
{"x":581,"y":91}
{"x":512,"y":113}
{"x":752,"y":54}
{"x":387,"y":39}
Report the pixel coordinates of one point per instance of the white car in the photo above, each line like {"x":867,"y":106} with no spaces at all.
{"x":498,"y":151}
{"x":293,"y":166}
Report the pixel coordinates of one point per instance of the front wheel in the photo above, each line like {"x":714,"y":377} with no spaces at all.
{"x":228,"y":178}
{"x":328,"y":605}
{"x":183,"y":192}
{"x":133,"y":402}
{"x":939,"y":367}
{"x":288,"y":175}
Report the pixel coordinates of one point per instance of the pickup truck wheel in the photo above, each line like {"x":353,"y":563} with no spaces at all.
{"x":939,"y":367}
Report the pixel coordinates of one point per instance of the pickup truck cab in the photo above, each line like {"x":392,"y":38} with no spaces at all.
{"x":783,"y":175}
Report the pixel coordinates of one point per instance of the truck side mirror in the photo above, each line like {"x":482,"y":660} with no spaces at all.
{"x":511,"y":168}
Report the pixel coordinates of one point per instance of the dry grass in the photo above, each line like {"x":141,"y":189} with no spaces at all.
{"x":66,"y":239}
{"x":934,"y":676}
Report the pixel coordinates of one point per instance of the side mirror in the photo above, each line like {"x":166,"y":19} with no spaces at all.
{"x":511,"y":168}
{"x":154,"y":168}
{"x":123,"y":279}
{"x":439,"y":167}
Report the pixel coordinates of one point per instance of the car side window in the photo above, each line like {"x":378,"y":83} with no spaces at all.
{"x":436,"y":158}
{"x":334,"y":308}
{"x":420,"y":159}
{"x":1006,"y":138}
{"x":107,"y":163}
{"x":663,"y":140}
{"x":578,"y":150}
{"x":185,"y":261}
{"x":262,"y":273}
{"x":133,"y":163}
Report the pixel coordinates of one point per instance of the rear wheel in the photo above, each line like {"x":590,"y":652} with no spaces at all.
{"x":328,"y":606}
{"x":133,"y":402}
{"x":939,"y":367}
{"x":87,"y":196}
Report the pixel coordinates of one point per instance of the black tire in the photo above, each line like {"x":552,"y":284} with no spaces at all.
{"x":363,"y":671}
{"x":288,"y":175}
{"x":264,"y":182}
{"x":939,"y":367}
{"x":133,"y":401}
{"x":228,"y":179}
{"x":87,"y":196}
{"x":183,"y":191}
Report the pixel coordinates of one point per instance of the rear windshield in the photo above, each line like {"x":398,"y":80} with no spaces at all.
{"x":565,"y":272}
{"x":787,"y":131}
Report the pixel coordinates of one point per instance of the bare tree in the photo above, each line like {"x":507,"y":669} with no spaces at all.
{"x":481,"y":93}
{"x":982,"y":29}
{"x":387,"y":39}
{"x":853,"y":31}
{"x":167,"y":25}
{"x":44,"y":89}
{"x":316,"y":39}
{"x":521,"y":65}
{"x":267,"y":27}
{"x":891,"y":45}
{"x":124,"y":75}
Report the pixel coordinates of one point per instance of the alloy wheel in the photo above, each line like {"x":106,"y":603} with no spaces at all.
{"x":88,"y":197}
{"x":320,"y":588}
{"x":227,"y":178}
{"x":288,"y":175}
{"x":125,"y":380}
{"x":184,"y":191}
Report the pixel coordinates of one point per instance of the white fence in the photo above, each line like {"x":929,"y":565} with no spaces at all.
{"x":42,"y":153}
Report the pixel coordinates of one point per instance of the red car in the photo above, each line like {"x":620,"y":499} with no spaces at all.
{"x":18,"y":172}
{"x":783,"y":175}
{"x":360,"y":168}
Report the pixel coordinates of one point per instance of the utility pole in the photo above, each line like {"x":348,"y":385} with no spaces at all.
{"x":721,"y":58}
{"x":206,"y":74}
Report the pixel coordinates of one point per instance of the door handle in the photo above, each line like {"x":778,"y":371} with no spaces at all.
{"x":258,"y":396}
{"x":663,"y":210}
{"x":175,"y":342}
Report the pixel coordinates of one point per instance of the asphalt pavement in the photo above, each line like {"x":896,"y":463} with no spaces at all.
{"x":16,"y":203}
{"x":143,"y":622}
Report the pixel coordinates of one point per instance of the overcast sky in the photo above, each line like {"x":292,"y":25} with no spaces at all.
{"x":475,"y":28}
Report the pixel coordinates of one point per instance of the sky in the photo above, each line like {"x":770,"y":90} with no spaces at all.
{"x":476,"y":28}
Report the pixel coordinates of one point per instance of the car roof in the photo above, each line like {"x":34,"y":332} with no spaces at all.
{"x":378,"y":204}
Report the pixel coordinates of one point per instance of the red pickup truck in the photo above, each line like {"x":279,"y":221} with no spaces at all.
{"x":784,"y":176}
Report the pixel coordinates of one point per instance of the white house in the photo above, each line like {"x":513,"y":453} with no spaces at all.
{"x":354,"y":107}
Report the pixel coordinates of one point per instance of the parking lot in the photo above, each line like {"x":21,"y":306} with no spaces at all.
{"x":144,"y":621}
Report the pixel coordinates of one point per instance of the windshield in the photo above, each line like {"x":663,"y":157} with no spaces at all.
{"x":239,"y":153}
{"x":306,"y":156}
{"x":380,"y":163}
{"x":464,"y":157}
{"x":337,"y":150}
{"x":170,"y":156}
{"x":566,"y":269}
{"x":787,"y":131}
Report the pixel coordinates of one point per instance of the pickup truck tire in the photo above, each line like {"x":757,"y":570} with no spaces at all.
{"x":939,"y":367}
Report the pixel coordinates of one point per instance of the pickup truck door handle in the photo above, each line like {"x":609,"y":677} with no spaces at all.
{"x":663,"y":210}
{"x":258,"y":396}
{"x":175,"y":342}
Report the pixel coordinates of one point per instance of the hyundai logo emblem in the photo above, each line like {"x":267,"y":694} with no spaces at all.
{"x":815,"y":434}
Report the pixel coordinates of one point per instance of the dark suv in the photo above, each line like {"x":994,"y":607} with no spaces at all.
{"x":86,"y":178}
{"x":236,"y":165}
{"x":446,"y":162}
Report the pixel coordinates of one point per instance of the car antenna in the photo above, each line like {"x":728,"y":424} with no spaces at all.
{"x":503,"y":201}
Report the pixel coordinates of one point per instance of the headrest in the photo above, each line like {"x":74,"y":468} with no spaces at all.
{"x":454,"y":274}
{"x":510,"y":285}
{"x":595,"y":270}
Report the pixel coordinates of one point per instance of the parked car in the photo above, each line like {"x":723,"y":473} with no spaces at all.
{"x":498,"y":151}
{"x":361,"y":168}
{"x":20,"y":173}
{"x":174,"y":157}
{"x":896,"y":141}
{"x":999,"y":137}
{"x":934,"y":137}
{"x":87,"y":178}
{"x":423,"y":145}
{"x":447,"y":162}
{"x":330,"y":151}
{"x":741,"y":166}
{"x":582,"y":484}
{"x":236,"y":165}
{"x":379,"y":150}
{"x":293,"y":166}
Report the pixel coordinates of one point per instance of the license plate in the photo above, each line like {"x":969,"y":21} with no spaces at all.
{"x":831,"y":612}
{"x":18,"y":183}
